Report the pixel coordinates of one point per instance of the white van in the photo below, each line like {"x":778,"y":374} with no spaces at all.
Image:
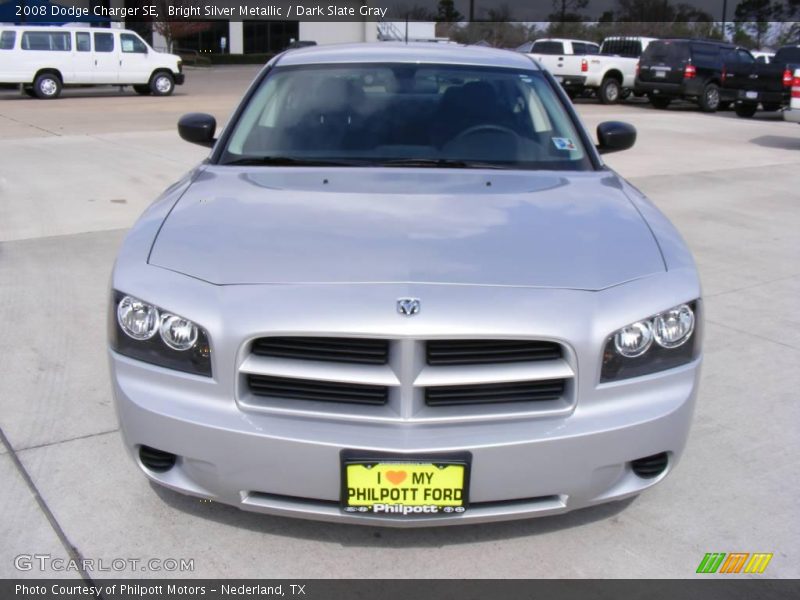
{"x":44,"y":59}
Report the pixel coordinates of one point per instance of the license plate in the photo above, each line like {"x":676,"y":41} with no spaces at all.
{"x":751,"y":95}
{"x":661,"y":74}
{"x":404,"y":488}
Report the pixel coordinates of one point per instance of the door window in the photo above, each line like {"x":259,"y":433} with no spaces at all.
{"x":7,"y":39}
{"x":103,"y":42}
{"x":82,"y":42}
{"x":131,"y":43}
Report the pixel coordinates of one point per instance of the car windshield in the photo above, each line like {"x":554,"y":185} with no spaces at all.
{"x":406,"y":115}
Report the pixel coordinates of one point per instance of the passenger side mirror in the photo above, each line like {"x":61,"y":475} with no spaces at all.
{"x":198,"y":128}
{"x":613,"y":136}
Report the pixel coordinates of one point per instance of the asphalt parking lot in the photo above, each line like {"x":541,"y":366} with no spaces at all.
{"x":76,"y":172}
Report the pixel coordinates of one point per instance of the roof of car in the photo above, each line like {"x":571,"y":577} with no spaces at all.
{"x":397,"y":52}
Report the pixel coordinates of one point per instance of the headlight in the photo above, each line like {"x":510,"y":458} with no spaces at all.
{"x":181,"y":344}
{"x":660,"y":342}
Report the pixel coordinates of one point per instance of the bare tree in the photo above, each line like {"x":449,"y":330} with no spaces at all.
{"x":178,"y":29}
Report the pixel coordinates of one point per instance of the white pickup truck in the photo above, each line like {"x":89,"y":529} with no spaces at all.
{"x":609,"y":73}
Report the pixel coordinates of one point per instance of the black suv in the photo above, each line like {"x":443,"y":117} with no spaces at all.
{"x":685,"y":69}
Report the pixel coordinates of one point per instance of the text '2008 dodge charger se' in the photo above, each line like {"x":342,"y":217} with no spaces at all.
{"x":405,"y":290}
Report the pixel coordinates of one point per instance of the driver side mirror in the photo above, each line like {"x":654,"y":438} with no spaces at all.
{"x":614,"y":136}
{"x":198,"y":128}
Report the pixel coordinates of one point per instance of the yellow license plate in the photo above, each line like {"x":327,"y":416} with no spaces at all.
{"x":405,"y":488}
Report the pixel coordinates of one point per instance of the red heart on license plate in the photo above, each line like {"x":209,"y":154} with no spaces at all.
{"x":396,"y":477}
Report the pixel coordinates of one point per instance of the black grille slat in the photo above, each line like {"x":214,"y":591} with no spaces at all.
{"x":650,"y":466}
{"x":325,"y":391}
{"x":476,"y":352}
{"x":348,"y":350}
{"x":495,"y":393}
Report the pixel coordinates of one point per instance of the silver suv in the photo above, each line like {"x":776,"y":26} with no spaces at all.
{"x":405,"y":290}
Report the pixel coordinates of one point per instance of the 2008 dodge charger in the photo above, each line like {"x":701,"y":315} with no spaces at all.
{"x":405,"y":290}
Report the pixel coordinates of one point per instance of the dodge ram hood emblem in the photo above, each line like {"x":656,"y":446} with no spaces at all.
{"x":408,"y":306}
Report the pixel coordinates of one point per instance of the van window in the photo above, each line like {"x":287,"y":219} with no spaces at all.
{"x":131,"y":43}
{"x":7,"y":39}
{"x":103,"y":42}
{"x":548,"y":48}
{"x":82,"y":42}
{"x":46,"y":40}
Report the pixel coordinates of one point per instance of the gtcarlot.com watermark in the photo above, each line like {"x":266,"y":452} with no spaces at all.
{"x":50,"y":563}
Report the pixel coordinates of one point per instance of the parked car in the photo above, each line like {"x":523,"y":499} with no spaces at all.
{"x":405,"y":290}
{"x":763,"y":57}
{"x":792,"y":113}
{"x":685,"y":69}
{"x":611,"y":74}
{"x":767,"y":84}
{"x":45,"y":59}
{"x":566,"y":60}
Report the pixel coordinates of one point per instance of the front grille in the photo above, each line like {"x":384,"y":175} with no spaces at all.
{"x":325,"y":391}
{"x":481,"y":352}
{"x":650,"y":466}
{"x":326,"y":349}
{"x":494,"y":393}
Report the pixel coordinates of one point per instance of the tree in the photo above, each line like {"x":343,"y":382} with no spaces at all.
{"x":754,"y":16}
{"x":176,"y":30}
{"x":448,"y":12}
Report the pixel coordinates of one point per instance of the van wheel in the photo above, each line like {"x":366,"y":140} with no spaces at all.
{"x":771,"y":106}
{"x":610,"y":91}
{"x":709,"y":100}
{"x":659,"y":101}
{"x":162,"y":84}
{"x":746,"y":110}
{"x":47,"y":86}
{"x":142,"y":90}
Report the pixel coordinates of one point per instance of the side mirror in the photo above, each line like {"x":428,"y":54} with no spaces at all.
{"x":198,"y":128}
{"x":614,"y":136}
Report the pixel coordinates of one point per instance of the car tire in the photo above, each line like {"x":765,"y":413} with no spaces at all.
{"x":47,"y":86}
{"x":709,"y":100}
{"x":771,"y":106}
{"x":659,"y":101}
{"x":610,"y":91}
{"x":746,"y":111}
{"x":142,"y":90}
{"x":162,"y":84}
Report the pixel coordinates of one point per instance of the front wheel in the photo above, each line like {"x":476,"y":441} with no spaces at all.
{"x":162,"y":84}
{"x":746,"y":110}
{"x":47,"y":86}
{"x":610,"y":91}
{"x":709,"y":101}
{"x":659,"y":101}
{"x":142,"y":90}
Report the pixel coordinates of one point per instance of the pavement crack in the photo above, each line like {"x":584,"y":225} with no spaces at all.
{"x":17,"y":121}
{"x":755,"y":335}
{"x":751,"y":286}
{"x":73,"y":552}
{"x":64,"y":441}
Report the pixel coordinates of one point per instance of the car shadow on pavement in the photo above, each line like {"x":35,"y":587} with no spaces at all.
{"x":372,"y":536}
{"x":778,"y":141}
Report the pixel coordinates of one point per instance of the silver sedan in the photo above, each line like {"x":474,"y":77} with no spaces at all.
{"x":405,"y":290}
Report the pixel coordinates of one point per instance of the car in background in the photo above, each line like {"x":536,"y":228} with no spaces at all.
{"x":763,"y":57}
{"x":792,"y":113}
{"x":766,"y":84}
{"x":612,"y":73}
{"x":404,"y":289}
{"x":566,"y":59}
{"x":683,"y":69}
{"x":43,"y":60}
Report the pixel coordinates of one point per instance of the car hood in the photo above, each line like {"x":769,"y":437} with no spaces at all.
{"x":237,"y":225}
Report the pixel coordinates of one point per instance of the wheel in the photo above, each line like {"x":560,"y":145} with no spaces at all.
{"x":142,"y":90}
{"x":771,"y":106}
{"x":610,"y":91}
{"x":47,"y":86}
{"x":659,"y":101}
{"x":746,"y":110}
{"x":162,"y":84}
{"x":709,"y":100}
{"x":725,"y":105}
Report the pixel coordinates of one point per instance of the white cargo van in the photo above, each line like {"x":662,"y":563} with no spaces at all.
{"x":45,"y":59}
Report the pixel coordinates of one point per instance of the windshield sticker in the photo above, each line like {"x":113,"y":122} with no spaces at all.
{"x":564,"y":144}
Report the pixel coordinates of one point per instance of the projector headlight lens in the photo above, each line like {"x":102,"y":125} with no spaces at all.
{"x":634,"y":340}
{"x":137,"y":319}
{"x":178,"y":333}
{"x":674,"y":327}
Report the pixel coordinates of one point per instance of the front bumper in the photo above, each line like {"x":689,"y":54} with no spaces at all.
{"x":289,"y":466}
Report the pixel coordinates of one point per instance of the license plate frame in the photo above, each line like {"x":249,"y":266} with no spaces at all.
{"x":384,"y":462}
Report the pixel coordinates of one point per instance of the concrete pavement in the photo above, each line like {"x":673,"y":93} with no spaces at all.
{"x":75,"y":173}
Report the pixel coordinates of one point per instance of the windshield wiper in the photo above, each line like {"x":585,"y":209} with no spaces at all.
{"x":289,"y":161}
{"x":442,"y":163}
